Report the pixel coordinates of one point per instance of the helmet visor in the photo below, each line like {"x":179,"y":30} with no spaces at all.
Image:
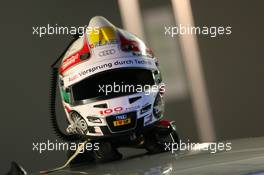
{"x":112,"y":83}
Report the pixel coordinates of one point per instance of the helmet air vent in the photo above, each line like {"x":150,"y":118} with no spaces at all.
{"x":132,"y":100}
{"x":103,"y":105}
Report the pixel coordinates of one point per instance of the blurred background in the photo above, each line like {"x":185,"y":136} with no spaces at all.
{"x":214,"y":85}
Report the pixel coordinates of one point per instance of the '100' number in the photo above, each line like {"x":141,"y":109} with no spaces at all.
{"x":109,"y":111}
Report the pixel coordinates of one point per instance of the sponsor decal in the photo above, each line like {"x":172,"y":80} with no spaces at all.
{"x":121,"y":117}
{"x":113,"y":63}
{"x":111,"y":110}
{"x":76,"y":58}
{"x":106,"y":52}
{"x":122,"y":120}
{"x":106,"y":35}
{"x":73,"y":78}
{"x":70,"y":61}
{"x":97,"y":44}
{"x":118,"y":63}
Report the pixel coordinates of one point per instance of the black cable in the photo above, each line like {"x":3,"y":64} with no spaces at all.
{"x":52,"y":105}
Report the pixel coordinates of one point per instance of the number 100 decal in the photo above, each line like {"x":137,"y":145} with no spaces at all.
{"x":111,"y":110}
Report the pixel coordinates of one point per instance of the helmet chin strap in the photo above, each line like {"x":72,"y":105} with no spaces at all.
{"x":78,"y":151}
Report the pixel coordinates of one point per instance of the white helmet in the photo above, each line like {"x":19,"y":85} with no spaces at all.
{"x":110,"y":82}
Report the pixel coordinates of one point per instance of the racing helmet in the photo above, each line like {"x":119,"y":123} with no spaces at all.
{"x":109,"y":82}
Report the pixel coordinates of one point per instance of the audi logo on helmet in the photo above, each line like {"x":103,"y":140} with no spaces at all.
{"x":107,"y":52}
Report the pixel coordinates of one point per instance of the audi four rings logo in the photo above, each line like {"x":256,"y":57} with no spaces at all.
{"x":106,"y":52}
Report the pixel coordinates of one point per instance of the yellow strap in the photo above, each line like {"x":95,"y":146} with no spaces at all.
{"x":79,"y":149}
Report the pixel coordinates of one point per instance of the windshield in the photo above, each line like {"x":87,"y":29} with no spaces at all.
{"x":113,"y":83}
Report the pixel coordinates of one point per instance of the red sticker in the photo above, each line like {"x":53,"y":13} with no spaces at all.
{"x":74,"y":58}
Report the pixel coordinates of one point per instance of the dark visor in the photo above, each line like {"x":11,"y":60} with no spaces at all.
{"x":96,"y":85}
